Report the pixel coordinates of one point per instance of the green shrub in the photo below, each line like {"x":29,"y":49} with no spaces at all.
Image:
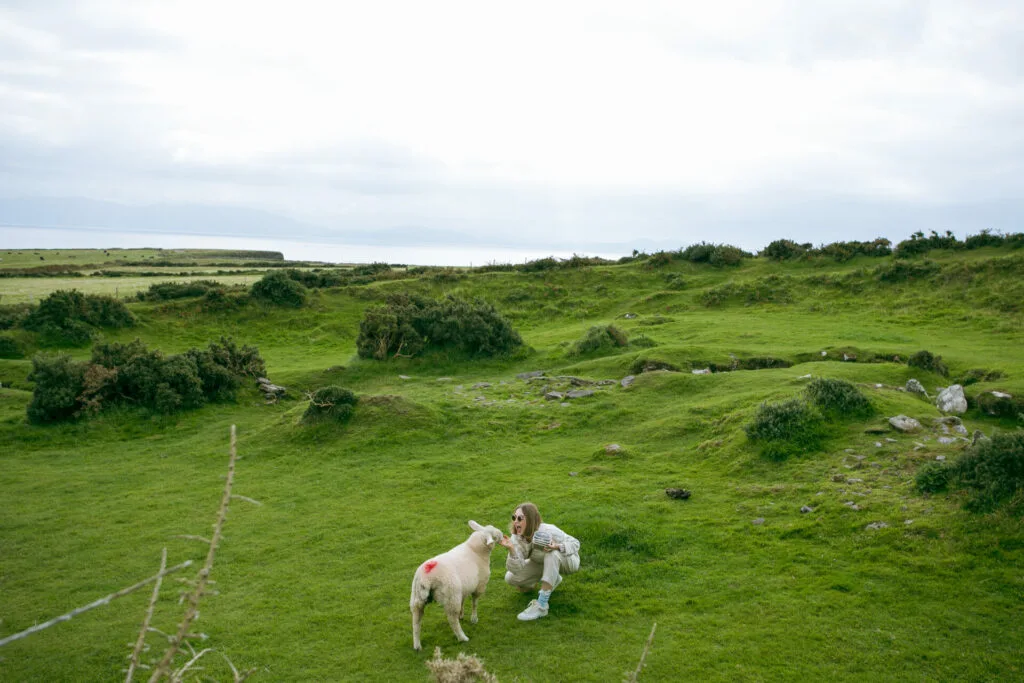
{"x":163,"y":291}
{"x":599,"y":339}
{"x":928,"y":362}
{"x":331,"y":403}
{"x":992,"y":470}
{"x":933,"y":477}
{"x":10,"y":347}
{"x":783,"y":250}
{"x":58,"y":384}
{"x":407,"y":325}
{"x":786,"y":428}
{"x":279,"y":289}
{"x":726,"y":255}
{"x":14,"y":315}
{"x":1001,"y":406}
{"x":838,"y":398}
{"x":64,"y":307}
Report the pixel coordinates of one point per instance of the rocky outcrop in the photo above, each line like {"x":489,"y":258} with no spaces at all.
{"x":952,"y":400}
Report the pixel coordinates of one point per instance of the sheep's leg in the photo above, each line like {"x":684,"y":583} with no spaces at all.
{"x":454,"y":612}
{"x":473,"y":618}
{"x":417,"y":615}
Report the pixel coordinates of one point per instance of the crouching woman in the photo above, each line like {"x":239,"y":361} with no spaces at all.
{"x":537,"y":552}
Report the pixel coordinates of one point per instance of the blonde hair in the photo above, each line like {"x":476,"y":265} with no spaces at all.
{"x":532,"y":515}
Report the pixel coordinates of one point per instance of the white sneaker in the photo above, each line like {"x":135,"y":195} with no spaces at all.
{"x":532,"y":611}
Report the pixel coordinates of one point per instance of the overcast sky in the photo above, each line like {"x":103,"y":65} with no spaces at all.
{"x":547,"y":123}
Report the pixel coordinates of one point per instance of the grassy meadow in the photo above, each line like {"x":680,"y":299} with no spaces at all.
{"x":312,"y":584}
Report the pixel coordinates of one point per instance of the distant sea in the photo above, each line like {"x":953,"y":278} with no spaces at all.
{"x":434,"y":255}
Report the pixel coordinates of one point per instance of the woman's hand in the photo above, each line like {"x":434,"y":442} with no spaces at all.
{"x":553,"y":546}
{"x":507,"y":542}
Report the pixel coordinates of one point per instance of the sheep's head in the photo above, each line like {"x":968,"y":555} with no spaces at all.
{"x":489,"y":535}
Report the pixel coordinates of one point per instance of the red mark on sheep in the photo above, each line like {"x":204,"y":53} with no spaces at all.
{"x":427,"y":566}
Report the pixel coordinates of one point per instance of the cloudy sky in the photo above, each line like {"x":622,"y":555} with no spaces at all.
{"x":554,"y":125}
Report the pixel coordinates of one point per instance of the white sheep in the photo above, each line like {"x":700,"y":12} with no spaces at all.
{"x":449,"y":577}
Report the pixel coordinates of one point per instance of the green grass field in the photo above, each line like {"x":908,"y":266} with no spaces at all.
{"x":313,"y":584}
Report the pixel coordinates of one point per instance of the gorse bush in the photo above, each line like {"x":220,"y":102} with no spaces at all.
{"x":784,"y":250}
{"x":993,"y":471}
{"x":838,"y":398}
{"x":786,"y":428}
{"x":164,"y":291}
{"x":69,"y":317}
{"x":599,"y":339}
{"x":928,"y":362}
{"x":408,"y":325}
{"x":279,"y":289}
{"x":134,"y":374}
{"x":10,"y":347}
{"x":331,"y":403}
{"x":1003,"y":405}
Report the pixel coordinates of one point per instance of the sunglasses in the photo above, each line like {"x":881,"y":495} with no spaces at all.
{"x":517,"y":518}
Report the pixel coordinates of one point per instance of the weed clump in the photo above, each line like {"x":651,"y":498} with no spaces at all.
{"x":932,"y":478}
{"x":993,"y":471}
{"x":463,"y":669}
{"x":408,"y":324}
{"x":838,"y":398}
{"x":928,"y":362}
{"x":599,"y":339}
{"x":330,"y":404}
{"x":786,"y":428}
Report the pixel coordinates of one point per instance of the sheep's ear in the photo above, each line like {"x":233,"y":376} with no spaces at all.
{"x":474,"y":526}
{"x":490,"y":541}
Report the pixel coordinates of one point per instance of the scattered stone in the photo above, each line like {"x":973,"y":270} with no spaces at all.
{"x":530,"y":375}
{"x":915,"y":387}
{"x":940,"y":458}
{"x":271,"y":391}
{"x":574,"y":474}
{"x":605,"y":382}
{"x":824,"y":353}
{"x":703,"y":371}
{"x":806,"y":508}
{"x":679,"y":494}
{"x":908,"y":522}
{"x":849,"y":357}
{"x":807,"y":376}
{"x":629,"y":316}
{"x":879,"y":386}
{"x":480,"y":398}
{"x":627,"y":380}
{"x":613,"y":449}
{"x":820,"y":493}
{"x":854,"y":480}
{"x":878,"y":444}
{"x":444,"y":379}
{"x":759,"y":521}
{"x":580,"y":393}
{"x":877,"y":525}
{"x":978,"y":436}
{"x":481,"y":385}
{"x":918,"y":444}
{"x":850,"y":504}
{"x":404,"y":377}
{"x":575,"y":381}
{"x":554,"y":396}
{"x":952,"y":400}
{"x":564,"y":404}
{"x":946,"y":440}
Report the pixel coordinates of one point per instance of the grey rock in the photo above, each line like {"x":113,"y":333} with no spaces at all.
{"x":606,"y":382}
{"x":702,"y":371}
{"x":574,"y":474}
{"x":580,"y":393}
{"x":915,"y":387}
{"x":404,"y":377}
{"x":952,"y":400}
{"x":807,"y":376}
{"x":940,"y":458}
{"x":979,"y":436}
{"x":530,"y":375}
{"x":627,"y":380}
{"x":481,"y":385}
{"x":877,"y":525}
{"x":612,"y":449}
{"x":575,"y":381}
{"x":806,"y":508}
{"x":629,"y":316}
{"x":444,"y":379}
{"x":946,"y":440}
{"x":759,"y":521}
{"x":554,"y":396}
{"x":908,"y":522}
{"x":850,"y":504}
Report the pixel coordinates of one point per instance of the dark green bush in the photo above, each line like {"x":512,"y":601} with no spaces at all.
{"x":1001,"y":406}
{"x":783,"y":250}
{"x":279,"y":289}
{"x":14,"y":315}
{"x":992,"y":470}
{"x":164,"y":291}
{"x":933,"y":477}
{"x":67,"y":306}
{"x":58,"y":383}
{"x":407,"y":325}
{"x":928,"y":362}
{"x":919,"y":244}
{"x":727,"y":255}
{"x":10,"y":347}
{"x":330,"y":403}
{"x":599,"y":339}
{"x":838,"y":398}
{"x":786,"y":428}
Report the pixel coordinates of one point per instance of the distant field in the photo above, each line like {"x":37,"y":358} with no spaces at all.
{"x":27,"y":258}
{"x":17,"y":290}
